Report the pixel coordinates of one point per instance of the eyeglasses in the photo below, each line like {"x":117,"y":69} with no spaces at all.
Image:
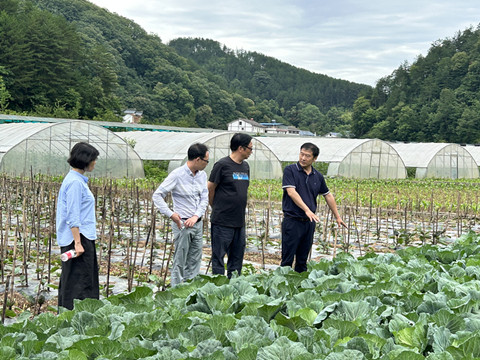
{"x":207,"y":161}
{"x":249,"y":148}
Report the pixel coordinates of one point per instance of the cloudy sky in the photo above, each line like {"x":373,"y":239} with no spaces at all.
{"x":354,"y":40}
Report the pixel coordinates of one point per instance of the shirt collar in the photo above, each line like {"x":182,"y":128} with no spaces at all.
{"x":76,"y":173}
{"x":299,"y":168}
{"x":187,"y":170}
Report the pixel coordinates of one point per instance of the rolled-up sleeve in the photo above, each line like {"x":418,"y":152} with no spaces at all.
{"x":159,"y":195}
{"x":202,"y":207}
{"x":73,"y":198}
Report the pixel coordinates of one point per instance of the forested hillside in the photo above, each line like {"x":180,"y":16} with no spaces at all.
{"x":73,"y":59}
{"x":437,"y":98}
{"x":258,"y":76}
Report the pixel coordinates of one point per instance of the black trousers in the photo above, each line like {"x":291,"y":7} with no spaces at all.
{"x":297,"y":240}
{"x":231,"y":242}
{"x":79,"y":278}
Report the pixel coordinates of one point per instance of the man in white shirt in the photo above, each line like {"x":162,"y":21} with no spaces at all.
{"x":188,"y":186}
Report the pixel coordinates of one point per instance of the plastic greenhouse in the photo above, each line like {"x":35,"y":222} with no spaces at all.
{"x":173,"y":146}
{"x":44,"y":148}
{"x":438,"y":160}
{"x":474,"y":150}
{"x":352,"y":158}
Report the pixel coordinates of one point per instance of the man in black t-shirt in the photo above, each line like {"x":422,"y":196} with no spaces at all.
{"x":227,"y":193}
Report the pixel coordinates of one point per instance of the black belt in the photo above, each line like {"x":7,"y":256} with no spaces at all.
{"x":200,"y":218}
{"x":297,"y":218}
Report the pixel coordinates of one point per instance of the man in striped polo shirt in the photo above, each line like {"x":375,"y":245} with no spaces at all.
{"x":188,"y":186}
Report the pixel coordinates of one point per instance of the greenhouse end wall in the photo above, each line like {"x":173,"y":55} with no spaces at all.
{"x":452,"y":162}
{"x":263,"y":162}
{"x":372,"y":159}
{"x":47,"y":151}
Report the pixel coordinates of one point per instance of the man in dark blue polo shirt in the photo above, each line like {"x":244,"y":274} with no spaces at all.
{"x":301,"y":185}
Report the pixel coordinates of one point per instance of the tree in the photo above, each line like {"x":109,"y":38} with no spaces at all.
{"x":363,"y":117}
{"x":4,"y":95}
{"x":468,"y":127}
{"x":310,"y":117}
{"x":408,"y":124}
{"x":444,"y":121}
{"x":203,"y":115}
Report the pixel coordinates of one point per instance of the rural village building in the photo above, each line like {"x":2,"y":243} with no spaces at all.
{"x":132,"y":116}
{"x":251,"y":126}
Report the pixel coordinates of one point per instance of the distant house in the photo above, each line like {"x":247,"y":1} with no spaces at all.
{"x":279,"y":128}
{"x":292,"y":130}
{"x":246,"y":125}
{"x":132,"y":116}
{"x":251,"y":126}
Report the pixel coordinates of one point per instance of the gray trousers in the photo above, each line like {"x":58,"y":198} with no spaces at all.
{"x":188,"y":252}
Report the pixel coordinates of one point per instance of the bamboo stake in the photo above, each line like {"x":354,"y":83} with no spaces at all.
{"x":129,"y":243}
{"x":359,"y":235}
{"x":138,"y":235}
{"x":110,"y":240}
{"x":334,"y":243}
{"x":50,"y":232}
{"x":267,"y":227}
{"x":326,"y":231}
{"x":165,"y":237}
{"x":15,"y":239}
{"x":38,"y":231}
{"x":346,"y":245}
{"x":356,"y":198}
{"x":149,"y":229}
{"x":459,"y":221}
{"x":7,"y":228}
{"x":205,"y":224}
{"x":24,"y":232}
{"x":153,"y":230}
{"x":168,"y":260}
{"x":102,"y":223}
{"x":5,"y":299}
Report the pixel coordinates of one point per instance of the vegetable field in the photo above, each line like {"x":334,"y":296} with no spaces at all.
{"x":419,"y":303}
{"x":135,"y":244}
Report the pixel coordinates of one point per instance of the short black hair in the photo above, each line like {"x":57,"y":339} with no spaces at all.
{"x":197,"y":150}
{"x":81,"y":155}
{"x":240,"y":139}
{"x":312,"y":147}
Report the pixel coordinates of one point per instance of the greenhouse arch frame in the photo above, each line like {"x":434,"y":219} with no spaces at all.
{"x":173,"y":146}
{"x":352,"y":158}
{"x":43,"y":148}
{"x":438,"y":160}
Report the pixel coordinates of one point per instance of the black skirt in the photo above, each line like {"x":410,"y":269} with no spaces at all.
{"x":79,"y":279}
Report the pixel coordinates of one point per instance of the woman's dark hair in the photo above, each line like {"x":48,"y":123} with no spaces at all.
{"x":239,"y":139}
{"x":311,"y":147}
{"x":197,"y":150}
{"x":81,"y":155}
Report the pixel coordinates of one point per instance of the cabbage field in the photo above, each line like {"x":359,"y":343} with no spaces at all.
{"x":419,"y":303}
{"x":400,"y":282}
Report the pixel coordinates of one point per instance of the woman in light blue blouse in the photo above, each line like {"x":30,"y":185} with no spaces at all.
{"x":76,"y":229}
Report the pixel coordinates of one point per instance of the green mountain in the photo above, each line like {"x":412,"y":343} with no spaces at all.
{"x":437,"y":98}
{"x":262,"y":77}
{"x":74,"y":59}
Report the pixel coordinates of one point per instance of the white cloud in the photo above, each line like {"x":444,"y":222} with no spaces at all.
{"x":355,"y":40}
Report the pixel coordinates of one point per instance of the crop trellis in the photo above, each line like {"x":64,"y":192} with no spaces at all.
{"x":136,"y":243}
